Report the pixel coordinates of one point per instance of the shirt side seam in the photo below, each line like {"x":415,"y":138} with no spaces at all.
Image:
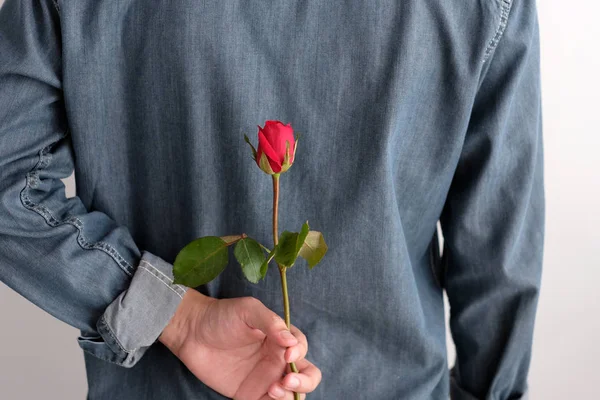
{"x":504,"y":11}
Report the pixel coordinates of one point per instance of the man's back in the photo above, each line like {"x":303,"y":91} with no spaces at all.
{"x":409,"y":112}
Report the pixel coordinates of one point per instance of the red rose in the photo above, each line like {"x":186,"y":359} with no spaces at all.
{"x":276,"y":147}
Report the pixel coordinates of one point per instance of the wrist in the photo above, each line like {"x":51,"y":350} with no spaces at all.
{"x":190,"y":311}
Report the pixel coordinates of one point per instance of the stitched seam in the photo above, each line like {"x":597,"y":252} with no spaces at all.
{"x":103,"y":358}
{"x":114,"y":337}
{"x":505,"y":10}
{"x":82,"y":340}
{"x":170,"y":281}
{"x":107,"y":326}
{"x":32,"y":180}
{"x":161,"y":280}
{"x":55,"y":2}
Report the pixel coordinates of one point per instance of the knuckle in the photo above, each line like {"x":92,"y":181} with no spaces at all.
{"x":318,"y":376}
{"x":251,"y":302}
{"x":305,"y":343}
{"x":311,"y":387}
{"x":276,"y":321}
{"x":300,"y":335}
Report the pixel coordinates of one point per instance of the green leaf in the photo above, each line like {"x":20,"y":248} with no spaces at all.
{"x":289,"y":245}
{"x":200,"y":261}
{"x":296,"y":145}
{"x":250,"y":256}
{"x":253,"y":149}
{"x":286,"y":248}
{"x":302,"y":236}
{"x":265,"y":264}
{"x":314,"y":248}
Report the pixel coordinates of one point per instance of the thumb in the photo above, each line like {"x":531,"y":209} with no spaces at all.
{"x":256,"y":315}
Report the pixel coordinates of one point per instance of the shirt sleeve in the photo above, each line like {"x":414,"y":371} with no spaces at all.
{"x":494,"y":216}
{"x":77,"y":264}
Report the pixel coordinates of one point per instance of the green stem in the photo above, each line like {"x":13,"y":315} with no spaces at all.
{"x":282,"y":270}
{"x":264,"y":247}
{"x":286,"y":302}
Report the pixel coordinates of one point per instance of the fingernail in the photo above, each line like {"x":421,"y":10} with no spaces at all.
{"x":277,"y":392}
{"x":293,"y":383}
{"x":287,"y":335}
{"x":293,"y":355}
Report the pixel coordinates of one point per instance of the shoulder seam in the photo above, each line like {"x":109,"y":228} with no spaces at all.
{"x":32,"y":179}
{"x":504,"y":12}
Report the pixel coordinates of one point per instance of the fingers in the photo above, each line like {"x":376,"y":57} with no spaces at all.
{"x":288,"y":396}
{"x":298,"y":351}
{"x":283,"y":395}
{"x":305,"y":381}
{"x":258,"y":316}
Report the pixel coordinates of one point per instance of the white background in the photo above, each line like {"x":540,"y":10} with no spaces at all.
{"x":39,"y":354}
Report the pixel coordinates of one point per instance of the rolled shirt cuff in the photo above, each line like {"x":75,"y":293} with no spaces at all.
{"x":137,"y":317}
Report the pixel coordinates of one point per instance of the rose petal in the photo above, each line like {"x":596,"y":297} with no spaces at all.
{"x":265,"y":146}
{"x":270,"y":131}
{"x":276,"y":134}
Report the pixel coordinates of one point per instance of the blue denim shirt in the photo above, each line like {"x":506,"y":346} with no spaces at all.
{"x":411,"y":112}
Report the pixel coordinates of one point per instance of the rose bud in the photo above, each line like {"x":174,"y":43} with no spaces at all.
{"x":276,"y":147}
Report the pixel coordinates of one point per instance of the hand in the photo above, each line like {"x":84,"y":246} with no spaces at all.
{"x":239,"y":347}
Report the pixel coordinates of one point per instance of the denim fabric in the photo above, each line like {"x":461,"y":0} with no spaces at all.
{"x":411,"y":112}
